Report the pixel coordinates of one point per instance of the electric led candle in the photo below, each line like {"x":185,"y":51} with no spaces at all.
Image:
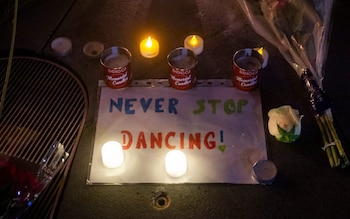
{"x":265,"y":56}
{"x":194,"y":43}
{"x":112,"y":154}
{"x":175,"y":163}
{"x":149,"y":47}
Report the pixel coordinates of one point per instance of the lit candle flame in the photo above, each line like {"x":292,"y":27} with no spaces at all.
{"x":175,"y":163}
{"x":149,"y":47}
{"x":261,"y":50}
{"x":194,"y":40}
{"x":149,"y":42}
{"x":112,"y":154}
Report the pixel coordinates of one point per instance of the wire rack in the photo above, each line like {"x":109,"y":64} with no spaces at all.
{"x":45,"y":103}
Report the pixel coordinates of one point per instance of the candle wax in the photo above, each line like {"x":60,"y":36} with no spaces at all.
{"x":116,"y":60}
{"x":248,"y":63}
{"x":183,"y":62}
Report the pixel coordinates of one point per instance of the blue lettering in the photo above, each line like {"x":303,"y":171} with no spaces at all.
{"x":118,"y":105}
{"x":129,"y":105}
{"x":172,"y":103}
{"x":158,"y":105}
{"x":145,"y":104}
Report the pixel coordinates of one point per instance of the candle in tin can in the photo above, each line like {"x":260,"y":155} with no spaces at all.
{"x":116,"y":65}
{"x":116,"y":61}
{"x":182,"y":68}
{"x":247,"y":65}
{"x":183,"y":62}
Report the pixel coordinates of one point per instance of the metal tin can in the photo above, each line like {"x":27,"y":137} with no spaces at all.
{"x":116,"y":63}
{"x":182,"y":68}
{"x":247,"y":65}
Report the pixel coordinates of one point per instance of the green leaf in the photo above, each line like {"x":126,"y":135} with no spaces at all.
{"x":287,"y":136}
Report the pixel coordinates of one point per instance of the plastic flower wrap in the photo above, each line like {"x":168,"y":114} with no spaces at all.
{"x":285,"y":123}
{"x":300,"y":30}
{"x":22,"y":181}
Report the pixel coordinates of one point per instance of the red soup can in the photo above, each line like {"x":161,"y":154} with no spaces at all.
{"x":246,"y":69}
{"x":182,"y":68}
{"x":116,"y":63}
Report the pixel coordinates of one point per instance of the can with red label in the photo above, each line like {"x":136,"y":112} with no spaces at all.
{"x":182,"y":68}
{"x":247,"y":65}
{"x":116,"y":63}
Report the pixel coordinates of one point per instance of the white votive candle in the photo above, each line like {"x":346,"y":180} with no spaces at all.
{"x":175,"y":163}
{"x":112,"y":154}
{"x":194,"y":43}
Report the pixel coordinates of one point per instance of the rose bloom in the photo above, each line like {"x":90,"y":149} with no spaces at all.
{"x":286,"y":118}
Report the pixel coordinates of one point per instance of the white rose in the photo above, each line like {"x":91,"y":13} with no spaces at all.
{"x":289,"y":121}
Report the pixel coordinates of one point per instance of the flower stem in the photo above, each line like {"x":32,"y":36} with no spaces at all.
{"x":332,"y":145}
{"x":340,"y":148}
{"x":330,"y":140}
{"x":326,"y":143}
{"x":9,"y":64}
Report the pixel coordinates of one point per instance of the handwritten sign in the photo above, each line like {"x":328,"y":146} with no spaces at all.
{"x":220,"y":130}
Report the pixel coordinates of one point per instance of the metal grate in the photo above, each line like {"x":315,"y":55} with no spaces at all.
{"x":45,"y":103}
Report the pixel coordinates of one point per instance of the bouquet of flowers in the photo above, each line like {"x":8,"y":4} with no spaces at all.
{"x":22,"y":181}
{"x":300,"y":30}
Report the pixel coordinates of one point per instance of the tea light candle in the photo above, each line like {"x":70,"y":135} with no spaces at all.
{"x":61,"y":46}
{"x":194,"y":43}
{"x":264,"y":172}
{"x":149,"y":47}
{"x":265,"y":56}
{"x":112,"y":154}
{"x":175,"y":163}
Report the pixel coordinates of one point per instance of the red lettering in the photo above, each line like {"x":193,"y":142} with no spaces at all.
{"x":209,"y":144}
{"x":156,"y":140}
{"x":182,"y":140}
{"x":171,"y":140}
{"x":167,"y":144}
{"x":141,"y":141}
{"x":194,"y":140}
{"x":126,"y":142}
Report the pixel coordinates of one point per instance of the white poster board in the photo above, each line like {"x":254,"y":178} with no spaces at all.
{"x":220,"y":130}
